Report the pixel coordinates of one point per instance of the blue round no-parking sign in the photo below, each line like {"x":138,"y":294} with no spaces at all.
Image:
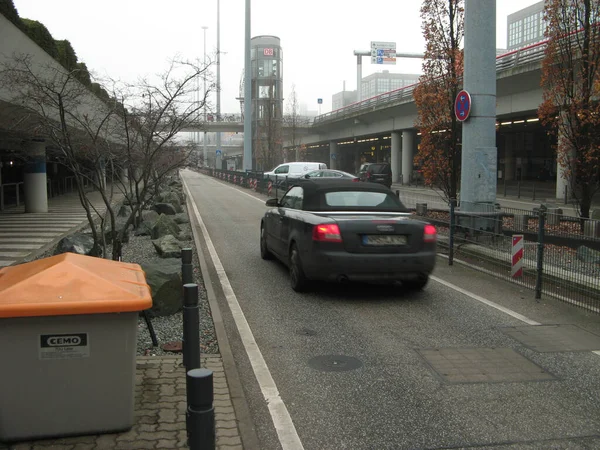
{"x":462,"y":106}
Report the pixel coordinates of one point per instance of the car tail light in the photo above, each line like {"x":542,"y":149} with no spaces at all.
{"x":368,"y":175}
{"x":355,"y":179}
{"x":429,"y":234}
{"x":328,"y":232}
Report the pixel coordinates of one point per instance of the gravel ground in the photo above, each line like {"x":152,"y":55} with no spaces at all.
{"x":140,"y":250}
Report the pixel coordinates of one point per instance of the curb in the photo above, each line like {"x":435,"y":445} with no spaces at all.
{"x":240,"y":405}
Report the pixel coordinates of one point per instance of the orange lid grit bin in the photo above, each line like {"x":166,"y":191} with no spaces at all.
{"x":70,"y":284}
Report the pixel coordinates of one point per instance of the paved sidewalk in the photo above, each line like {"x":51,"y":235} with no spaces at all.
{"x":160,"y":407}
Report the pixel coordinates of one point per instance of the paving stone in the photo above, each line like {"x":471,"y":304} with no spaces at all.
{"x":106,"y":442}
{"x":129,"y":436}
{"x":145,"y":428}
{"x":226,"y":432}
{"x":167,"y":443}
{"x":167,"y":415}
{"x":227,"y":440}
{"x":227,"y":424}
{"x":139,"y":445}
{"x":172,"y":426}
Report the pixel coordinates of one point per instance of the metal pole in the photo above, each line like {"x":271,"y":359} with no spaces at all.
{"x":479,"y":153}
{"x":191,"y":327}
{"x":218,"y":158}
{"x":540,"y":253}
{"x":204,"y":77}
{"x":247,"y":94}
{"x":452,"y":227}
{"x":358,"y":77}
{"x":200,"y":418}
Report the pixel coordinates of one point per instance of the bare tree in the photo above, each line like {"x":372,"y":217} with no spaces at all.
{"x":292,"y":122}
{"x":135,"y":132}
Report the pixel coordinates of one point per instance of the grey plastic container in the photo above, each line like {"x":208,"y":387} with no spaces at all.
{"x":90,"y":389}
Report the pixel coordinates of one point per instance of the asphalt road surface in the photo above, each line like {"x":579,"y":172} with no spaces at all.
{"x":364,"y":367}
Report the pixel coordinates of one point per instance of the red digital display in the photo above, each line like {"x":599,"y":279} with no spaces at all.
{"x":268,"y":52}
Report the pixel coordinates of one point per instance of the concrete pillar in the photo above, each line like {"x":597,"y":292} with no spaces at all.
{"x":35,"y":180}
{"x":396,"y":156}
{"x":333,"y":154}
{"x":509,"y":157}
{"x":479,"y":154}
{"x":408,"y":151}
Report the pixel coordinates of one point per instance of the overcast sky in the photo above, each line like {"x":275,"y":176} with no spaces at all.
{"x":129,"y":38}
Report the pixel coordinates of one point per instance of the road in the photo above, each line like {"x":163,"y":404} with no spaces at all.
{"x":389,"y":396}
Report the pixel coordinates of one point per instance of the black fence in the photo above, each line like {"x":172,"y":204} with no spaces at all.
{"x":542,"y":249}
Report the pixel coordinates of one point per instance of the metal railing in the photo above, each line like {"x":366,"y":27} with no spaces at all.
{"x":10,"y":194}
{"x":560,"y":257}
{"x":510,"y":60}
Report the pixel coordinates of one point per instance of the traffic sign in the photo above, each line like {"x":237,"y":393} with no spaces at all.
{"x":218,"y":152}
{"x":320,"y":101}
{"x":383,"y":52}
{"x":462,"y":106}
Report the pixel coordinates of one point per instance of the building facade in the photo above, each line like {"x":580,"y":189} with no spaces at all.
{"x":525,"y":27}
{"x":342,"y":99}
{"x":381,"y":82}
{"x":267,"y":101}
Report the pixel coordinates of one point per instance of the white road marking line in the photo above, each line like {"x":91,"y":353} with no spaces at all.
{"x":485,"y":301}
{"x":286,"y":431}
{"x":476,"y":297}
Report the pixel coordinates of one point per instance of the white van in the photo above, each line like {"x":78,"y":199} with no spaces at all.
{"x":294,"y":170}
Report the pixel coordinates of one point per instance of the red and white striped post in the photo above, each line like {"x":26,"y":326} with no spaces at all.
{"x":517,"y":256}
{"x":269,"y":188}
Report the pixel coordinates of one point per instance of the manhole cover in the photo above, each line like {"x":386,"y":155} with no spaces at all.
{"x":306,"y":332}
{"x":554,"y":338}
{"x":334,"y":363}
{"x":482,"y":365}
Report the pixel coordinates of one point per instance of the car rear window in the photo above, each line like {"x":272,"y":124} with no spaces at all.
{"x":359,"y":200}
{"x":378,"y":168}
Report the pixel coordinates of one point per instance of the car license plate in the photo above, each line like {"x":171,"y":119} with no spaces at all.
{"x":384,"y":239}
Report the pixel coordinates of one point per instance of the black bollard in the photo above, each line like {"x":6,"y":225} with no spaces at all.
{"x":200,"y":418}
{"x":187,"y":269}
{"x":191,"y":327}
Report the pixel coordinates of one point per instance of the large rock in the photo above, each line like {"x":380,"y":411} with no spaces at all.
{"x":165,"y":208}
{"x":173,"y":199}
{"x":124,"y":211}
{"x":167,"y":246}
{"x":164,"y":279}
{"x":181,"y":218}
{"x":184,"y":236}
{"x":119,"y":225}
{"x":164,"y":225}
{"x":80,"y":243}
{"x":175,"y":182}
{"x":588,"y":255}
{"x":150,"y":216}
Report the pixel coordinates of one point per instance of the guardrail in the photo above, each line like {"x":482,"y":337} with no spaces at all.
{"x":510,"y":60}
{"x":10,"y":188}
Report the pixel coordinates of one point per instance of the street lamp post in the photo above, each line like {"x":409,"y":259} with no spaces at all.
{"x":204,"y":106}
{"x":218,"y":158}
{"x":247,"y":94}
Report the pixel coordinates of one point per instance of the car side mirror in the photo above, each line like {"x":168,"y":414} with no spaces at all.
{"x":272,"y":202}
{"x":307,"y":176}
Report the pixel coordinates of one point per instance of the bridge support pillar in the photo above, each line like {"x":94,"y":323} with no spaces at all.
{"x":35,"y":180}
{"x":408,"y":151}
{"x":333,"y":155}
{"x":396,"y":156}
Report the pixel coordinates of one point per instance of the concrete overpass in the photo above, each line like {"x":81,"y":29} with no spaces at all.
{"x":341,"y":136}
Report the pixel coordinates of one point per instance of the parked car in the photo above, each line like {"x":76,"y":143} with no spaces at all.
{"x":376,"y":173}
{"x":293,"y":170}
{"x":331,"y":173}
{"x":339,"y":230}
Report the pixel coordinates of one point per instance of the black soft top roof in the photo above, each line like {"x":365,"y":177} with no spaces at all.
{"x":315,"y":188}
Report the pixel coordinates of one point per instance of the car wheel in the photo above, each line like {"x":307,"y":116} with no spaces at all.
{"x":264,"y":250}
{"x":298,"y":280}
{"x":417,"y":284}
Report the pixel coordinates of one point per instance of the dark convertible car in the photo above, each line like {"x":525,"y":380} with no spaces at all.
{"x":339,"y":230}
